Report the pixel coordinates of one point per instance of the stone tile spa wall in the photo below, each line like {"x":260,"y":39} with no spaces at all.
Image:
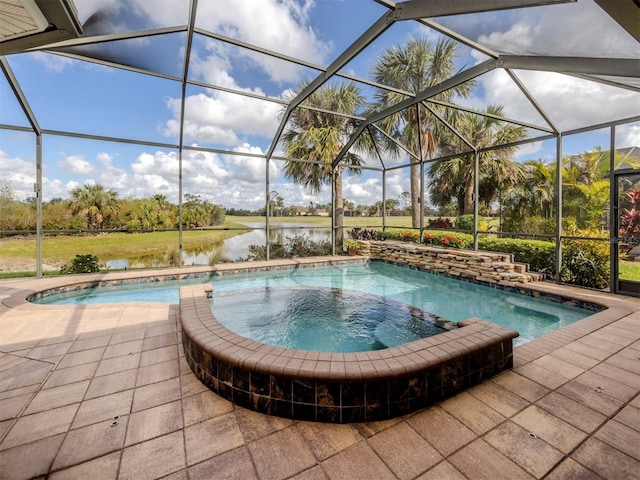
{"x":479,"y":266}
{"x":338,"y":387}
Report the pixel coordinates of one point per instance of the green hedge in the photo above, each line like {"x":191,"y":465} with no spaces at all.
{"x":540,"y":255}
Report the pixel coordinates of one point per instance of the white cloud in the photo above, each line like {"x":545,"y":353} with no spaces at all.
{"x":220,"y":118}
{"x":75,"y":165}
{"x":628,"y":135}
{"x":278,"y":25}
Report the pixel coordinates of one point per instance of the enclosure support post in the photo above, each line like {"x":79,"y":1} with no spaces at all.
{"x":267,"y":210}
{"x":558,"y":207}
{"x":613,"y":216}
{"x":38,"y":192}
{"x":476,"y":190}
{"x":384,"y":200}
{"x":333,"y":210}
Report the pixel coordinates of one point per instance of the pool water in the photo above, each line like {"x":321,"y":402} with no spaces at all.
{"x":323,"y":319}
{"x":443,"y":297}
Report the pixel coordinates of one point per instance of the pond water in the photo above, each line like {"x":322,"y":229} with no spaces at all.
{"x":231,"y":249}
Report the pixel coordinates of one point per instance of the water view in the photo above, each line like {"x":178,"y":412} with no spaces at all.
{"x":232,"y":249}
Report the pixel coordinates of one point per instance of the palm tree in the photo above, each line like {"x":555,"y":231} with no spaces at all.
{"x":413,"y":68}
{"x":96,"y":203}
{"x":317,"y":136}
{"x":453,"y":178}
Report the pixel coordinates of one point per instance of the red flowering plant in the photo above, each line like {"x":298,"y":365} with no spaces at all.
{"x":428,"y":239}
{"x":409,"y":237}
{"x":630,"y":222}
{"x":450,"y":241}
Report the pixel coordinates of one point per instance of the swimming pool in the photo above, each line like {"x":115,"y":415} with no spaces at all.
{"x":444,"y":297}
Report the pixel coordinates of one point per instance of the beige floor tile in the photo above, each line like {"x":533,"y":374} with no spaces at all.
{"x":156,"y":394}
{"x":78,"y":358}
{"x":358,"y":462}
{"x":574,"y":358}
{"x":103,"y":409}
{"x":474,"y":414}
{"x":51,"y":398}
{"x":617,"y":374}
{"x":90,"y":343}
{"x":12,"y":406}
{"x":157,"y":372}
{"x":191,"y":385}
{"x":441,"y":430}
{"x":49,"y":351}
{"x":314,"y":473}
{"x":591,"y":397}
{"x":71,"y":375}
{"x":498,"y":398}
{"x":606,"y":461}
{"x":442,"y":471}
{"x":39,"y":426}
{"x":159,"y":355}
{"x":154,"y":422}
{"x":622,"y":437}
{"x":274,"y":458}
{"x":91,"y":442}
{"x":325,"y":440}
{"x":405,"y":452}
{"x":112,"y":383}
{"x":578,"y":415}
{"x":121,"y":349}
{"x":550,"y":428}
{"x":543,"y":376}
{"x":233,"y":465}
{"x":30,"y":372}
{"x":571,"y":470}
{"x":370,"y":429}
{"x":129,"y":335}
{"x":160,"y":341}
{"x":532,"y":454}
{"x":117,"y":364}
{"x":212,"y":437}
{"x":142,"y":461}
{"x":253,"y":425}
{"x":608,"y":385}
{"x":30,"y":460}
{"x":480,"y":461}
{"x":629,"y":416}
{"x":520,"y":385}
{"x":102,"y":468}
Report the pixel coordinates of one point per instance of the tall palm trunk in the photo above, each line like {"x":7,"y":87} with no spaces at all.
{"x":467,"y":204}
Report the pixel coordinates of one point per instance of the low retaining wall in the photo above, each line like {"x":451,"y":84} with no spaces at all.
{"x":338,"y":387}
{"x":480,"y":266}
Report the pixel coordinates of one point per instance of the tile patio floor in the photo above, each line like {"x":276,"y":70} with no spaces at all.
{"x":103,"y":392}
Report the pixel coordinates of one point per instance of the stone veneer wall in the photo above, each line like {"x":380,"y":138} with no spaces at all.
{"x":479,"y":266}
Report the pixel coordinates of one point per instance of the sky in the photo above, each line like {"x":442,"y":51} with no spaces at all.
{"x":68,"y":95}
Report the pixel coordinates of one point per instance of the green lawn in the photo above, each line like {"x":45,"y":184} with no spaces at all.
{"x":629,"y":271}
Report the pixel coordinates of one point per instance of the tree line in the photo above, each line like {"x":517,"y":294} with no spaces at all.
{"x":93,"y":207}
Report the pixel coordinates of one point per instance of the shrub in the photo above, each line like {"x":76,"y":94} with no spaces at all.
{"x":465,"y":222}
{"x":449,"y":240}
{"x":540,"y":255}
{"x":296,"y":246}
{"x":440,"y":222}
{"x":358,"y":233}
{"x":86,"y":263}
{"x":585,"y":262}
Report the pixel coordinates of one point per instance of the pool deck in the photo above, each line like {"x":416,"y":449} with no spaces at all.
{"x":104,"y":392}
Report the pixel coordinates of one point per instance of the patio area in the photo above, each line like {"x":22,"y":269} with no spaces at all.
{"x":104,"y":392}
